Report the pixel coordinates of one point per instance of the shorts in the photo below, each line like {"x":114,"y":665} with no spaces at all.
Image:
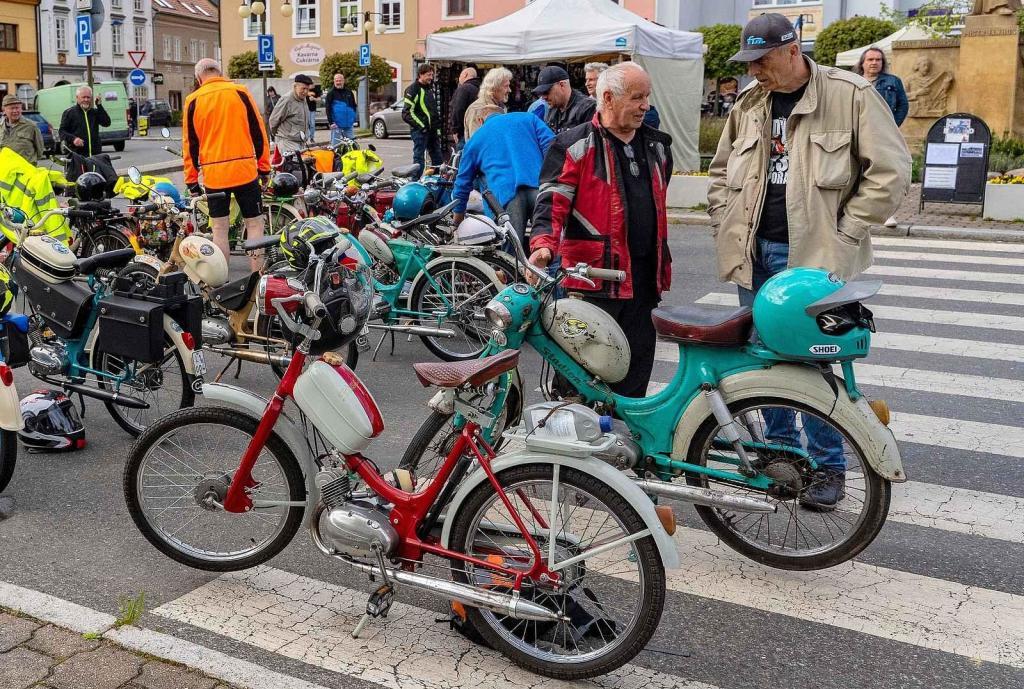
{"x":249,"y":197}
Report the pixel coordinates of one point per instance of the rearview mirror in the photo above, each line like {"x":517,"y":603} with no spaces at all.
{"x":134,"y":175}
{"x":166,"y":133}
{"x":372,"y":147}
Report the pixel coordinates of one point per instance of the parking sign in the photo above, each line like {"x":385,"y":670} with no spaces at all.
{"x":83,"y":35}
{"x":265,"y":50}
{"x":364,"y":54}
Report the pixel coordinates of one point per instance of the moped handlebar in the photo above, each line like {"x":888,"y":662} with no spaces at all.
{"x":605,"y":274}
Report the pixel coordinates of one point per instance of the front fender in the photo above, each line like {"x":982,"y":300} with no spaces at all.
{"x":602,"y":471}
{"x":806,"y":385}
{"x":286,"y":427}
{"x":475,"y":262}
{"x":10,"y":409}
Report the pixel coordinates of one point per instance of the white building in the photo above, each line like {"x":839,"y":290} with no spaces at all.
{"x":127,"y":27}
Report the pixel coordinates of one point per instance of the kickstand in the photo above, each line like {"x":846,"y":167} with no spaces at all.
{"x":379,"y":344}
{"x":238,"y":371}
{"x":223,"y":371}
{"x":81,"y":405}
{"x":380,"y":600}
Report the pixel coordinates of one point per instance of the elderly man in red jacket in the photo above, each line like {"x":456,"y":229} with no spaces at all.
{"x":602,"y":202}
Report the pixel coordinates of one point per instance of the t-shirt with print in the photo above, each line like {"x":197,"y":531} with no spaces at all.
{"x":774,"y":225}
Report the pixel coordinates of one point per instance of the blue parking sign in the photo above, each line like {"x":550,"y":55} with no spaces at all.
{"x":364,"y":54}
{"x":83,"y":35}
{"x":265,"y":51}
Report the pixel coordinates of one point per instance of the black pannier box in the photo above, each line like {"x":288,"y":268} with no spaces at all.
{"x":169,"y":292}
{"x":64,"y":306}
{"x":131,"y":328}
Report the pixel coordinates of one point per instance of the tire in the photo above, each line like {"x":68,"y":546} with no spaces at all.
{"x":463,"y":276}
{"x":135,"y":421}
{"x":101,"y":240}
{"x":728,"y":525}
{"x":278,"y":216}
{"x":118,"y":146}
{"x":380,"y":130}
{"x":481,"y":509}
{"x":140,"y":272}
{"x":8,"y":457}
{"x":226,"y":430}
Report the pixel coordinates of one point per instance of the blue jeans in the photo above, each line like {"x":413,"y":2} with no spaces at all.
{"x":312,"y":126}
{"x":424,"y":141}
{"x":339,"y":132}
{"x":824,"y":442}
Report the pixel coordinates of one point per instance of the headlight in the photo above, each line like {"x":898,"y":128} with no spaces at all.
{"x":498,"y":314}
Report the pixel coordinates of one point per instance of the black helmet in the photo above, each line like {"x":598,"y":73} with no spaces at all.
{"x":51,"y":422}
{"x":347,"y":293}
{"x":285,"y":184}
{"x":90,"y":186}
{"x":307,"y":237}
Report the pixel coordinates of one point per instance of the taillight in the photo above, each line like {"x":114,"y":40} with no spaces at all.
{"x":6,"y":375}
{"x":189,"y":341}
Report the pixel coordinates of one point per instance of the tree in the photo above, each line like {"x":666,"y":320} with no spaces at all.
{"x":722,"y":40}
{"x":849,"y":33}
{"x":938,"y":17}
{"x":247,"y":66}
{"x":348,"y":64}
{"x":455,"y":27}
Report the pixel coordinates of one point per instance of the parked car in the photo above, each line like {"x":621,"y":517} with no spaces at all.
{"x":378,"y":105}
{"x":52,"y":102}
{"x":159,"y":112}
{"x":44,"y":128}
{"x":388,"y":122}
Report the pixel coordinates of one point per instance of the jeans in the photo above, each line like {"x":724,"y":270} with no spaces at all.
{"x":824,"y":443}
{"x":312,"y":126}
{"x":342,"y":132}
{"x":520,"y":210}
{"x":424,"y":141}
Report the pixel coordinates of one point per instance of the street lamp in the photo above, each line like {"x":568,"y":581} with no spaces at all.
{"x":364,"y":81}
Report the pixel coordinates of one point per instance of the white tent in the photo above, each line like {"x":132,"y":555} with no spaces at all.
{"x":547,"y":30}
{"x":849,"y":58}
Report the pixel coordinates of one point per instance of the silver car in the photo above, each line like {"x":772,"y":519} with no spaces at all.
{"x":388,"y":122}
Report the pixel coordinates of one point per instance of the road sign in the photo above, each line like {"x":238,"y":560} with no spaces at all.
{"x":83,"y":5}
{"x":364,"y":54}
{"x":137,"y":77}
{"x":83,"y":35}
{"x":98,"y":14}
{"x":265,"y":51}
{"x":137,"y":56}
{"x":158,"y":79}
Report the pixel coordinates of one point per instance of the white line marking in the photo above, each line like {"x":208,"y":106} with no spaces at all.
{"x":949,"y":294}
{"x":949,"y":258}
{"x":973,"y":436}
{"x":971,"y":512}
{"x":58,"y":611}
{"x":1005,"y":247}
{"x":943,"y":345}
{"x":900,"y":313}
{"x":938,"y":274}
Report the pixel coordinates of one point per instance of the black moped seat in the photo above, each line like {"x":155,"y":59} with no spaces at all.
{"x":108,"y":259}
{"x":703,"y":325}
{"x":234,"y":295}
{"x":405,"y":171}
{"x":261,"y":243}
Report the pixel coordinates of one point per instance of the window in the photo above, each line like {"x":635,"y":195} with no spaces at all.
{"x":189,"y":7}
{"x":462,"y":9}
{"x":115,"y":4}
{"x":345,"y":11}
{"x":165,"y":4}
{"x":140,"y":37}
{"x":391,"y":14}
{"x":202,"y":49}
{"x":252,"y":25}
{"x":95,"y":43}
{"x":117,"y":39}
{"x":177,"y":49}
{"x":137,"y":5}
{"x":193,"y":49}
{"x":306,"y":20}
{"x":167,"y":47}
{"x":60,"y":33}
{"x":8,"y":36}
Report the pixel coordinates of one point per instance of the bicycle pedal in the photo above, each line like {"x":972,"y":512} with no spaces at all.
{"x":380,"y":601}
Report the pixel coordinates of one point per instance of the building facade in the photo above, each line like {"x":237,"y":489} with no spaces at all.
{"x":127,"y":27}
{"x":184,"y":32}
{"x":317,"y":29}
{"x":19,"y":54}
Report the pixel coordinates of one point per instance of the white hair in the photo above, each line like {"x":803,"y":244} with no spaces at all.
{"x":494,"y":78}
{"x":82,"y":90}
{"x":208,"y":66}
{"x":598,"y":67}
{"x":613,"y":80}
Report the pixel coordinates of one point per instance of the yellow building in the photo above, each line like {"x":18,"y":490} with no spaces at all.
{"x":19,"y":52}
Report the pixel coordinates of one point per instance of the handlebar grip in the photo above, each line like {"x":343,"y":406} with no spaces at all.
{"x":216,"y":195}
{"x":606,"y":274}
{"x":492,"y":202}
{"x":314,"y":305}
{"x":85,"y":215}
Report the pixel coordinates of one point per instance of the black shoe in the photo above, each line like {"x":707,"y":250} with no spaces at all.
{"x":827,"y":488}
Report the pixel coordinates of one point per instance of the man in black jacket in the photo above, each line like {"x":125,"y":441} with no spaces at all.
{"x":466,"y":93}
{"x":421,"y":115}
{"x":567,"y":108}
{"x":80,"y":124}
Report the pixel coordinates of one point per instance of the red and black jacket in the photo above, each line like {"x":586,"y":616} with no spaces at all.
{"x":581,"y":207}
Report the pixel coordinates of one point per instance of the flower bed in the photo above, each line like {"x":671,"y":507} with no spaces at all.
{"x":1004,"y":198}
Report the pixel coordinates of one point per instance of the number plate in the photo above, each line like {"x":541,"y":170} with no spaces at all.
{"x":199,"y":363}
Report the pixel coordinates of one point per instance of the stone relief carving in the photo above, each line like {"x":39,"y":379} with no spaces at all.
{"x":996,"y":6}
{"x":928,"y":91}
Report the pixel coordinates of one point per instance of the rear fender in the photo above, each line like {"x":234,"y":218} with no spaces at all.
{"x":10,"y":409}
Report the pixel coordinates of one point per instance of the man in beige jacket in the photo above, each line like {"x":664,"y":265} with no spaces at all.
{"x":809,"y":159}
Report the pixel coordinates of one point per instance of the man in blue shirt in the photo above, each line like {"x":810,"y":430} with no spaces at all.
{"x":508,"y":150}
{"x":341,"y":110}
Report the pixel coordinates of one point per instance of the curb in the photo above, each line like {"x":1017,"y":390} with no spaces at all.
{"x":161,"y":168}
{"x":207,"y":661}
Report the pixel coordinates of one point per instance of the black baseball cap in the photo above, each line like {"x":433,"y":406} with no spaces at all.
{"x":763,"y":34}
{"x":549,"y":76}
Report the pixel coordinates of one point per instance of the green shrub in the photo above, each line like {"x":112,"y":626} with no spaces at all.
{"x":348,"y":64}
{"x":710,"y":132}
{"x":247,"y":66}
{"x":846,"y":34}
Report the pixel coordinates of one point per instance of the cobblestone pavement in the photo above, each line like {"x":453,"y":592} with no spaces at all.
{"x":947,"y":214}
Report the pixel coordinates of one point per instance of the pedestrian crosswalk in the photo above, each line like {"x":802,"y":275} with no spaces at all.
{"x":945,"y":306}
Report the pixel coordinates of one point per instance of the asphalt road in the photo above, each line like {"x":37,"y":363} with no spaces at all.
{"x":936,"y":601}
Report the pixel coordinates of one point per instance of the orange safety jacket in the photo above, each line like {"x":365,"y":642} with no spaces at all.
{"x":223,"y":135}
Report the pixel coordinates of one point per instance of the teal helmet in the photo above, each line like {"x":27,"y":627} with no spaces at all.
{"x":809,"y":314}
{"x":168,"y":189}
{"x":411,"y":201}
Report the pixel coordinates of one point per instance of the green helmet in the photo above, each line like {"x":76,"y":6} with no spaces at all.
{"x":307,"y":237}
{"x":809,"y":314}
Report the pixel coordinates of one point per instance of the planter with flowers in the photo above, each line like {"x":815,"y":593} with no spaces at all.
{"x":1004,"y":198}
{"x":688,"y":190}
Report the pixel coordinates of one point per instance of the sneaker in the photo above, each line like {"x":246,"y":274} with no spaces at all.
{"x":891,"y":222}
{"x":827,"y":489}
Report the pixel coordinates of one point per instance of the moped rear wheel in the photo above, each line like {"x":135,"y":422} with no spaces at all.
{"x":178,"y":473}
{"x":610,"y":602}
{"x":803,"y":534}
{"x":455,"y":300}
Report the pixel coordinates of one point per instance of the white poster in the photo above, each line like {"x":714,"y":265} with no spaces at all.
{"x":972,"y":150}
{"x":957,"y":129}
{"x":940,"y":177}
{"x":942,"y":154}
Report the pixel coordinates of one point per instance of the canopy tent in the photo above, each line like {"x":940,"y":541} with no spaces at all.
{"x":539,"y":33}
{"x":850,"y":58}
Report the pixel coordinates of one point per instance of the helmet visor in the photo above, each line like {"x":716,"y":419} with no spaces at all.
{"x":59,"y":418}
{"x":845,"y":318}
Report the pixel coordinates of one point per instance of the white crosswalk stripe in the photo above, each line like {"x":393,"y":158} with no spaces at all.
{"x":949,"y":258}
{"x":996,"y":351}
{"x":943,"y":274}
{"x":965,"y":245}
{"x":949,"y":294}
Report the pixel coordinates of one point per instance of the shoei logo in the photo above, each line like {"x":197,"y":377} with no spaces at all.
{"x":755,"y":40}
{"x":826,"y":349}
{"x":574,"y":327}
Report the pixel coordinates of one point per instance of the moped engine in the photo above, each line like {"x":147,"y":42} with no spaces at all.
{"x":48,"y":356}
{"x":217,"y":330}
{"x":626,"y":452}
{"x":351,"y":527}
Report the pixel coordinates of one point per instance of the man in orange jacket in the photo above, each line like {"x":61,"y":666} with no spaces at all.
{"x":223,"y":136}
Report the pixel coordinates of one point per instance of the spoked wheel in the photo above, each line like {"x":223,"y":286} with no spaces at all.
{"x":278,"y":216}
{"x":610,"y":603}
{"x":8,"y":457}
{"x":163,"y":385}
{"x":98,"y":241}
{"x":810,"y":530}
{"x":455,"y":299}
{"x":178,"y":474}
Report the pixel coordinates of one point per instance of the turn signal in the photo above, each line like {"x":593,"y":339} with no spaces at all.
{"x":667,"y":518}
{"x":6,"y":375}
{"x":881,"y":410}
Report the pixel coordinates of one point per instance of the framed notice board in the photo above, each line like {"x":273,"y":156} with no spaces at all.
{"x":955,"y":167}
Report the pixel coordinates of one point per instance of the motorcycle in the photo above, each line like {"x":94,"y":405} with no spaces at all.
{"x":710,"y":437}
{"x":142,"y":350}
{"x":559,"y":559}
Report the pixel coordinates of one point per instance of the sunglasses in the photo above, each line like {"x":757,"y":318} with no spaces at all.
{"x":634,"y":168}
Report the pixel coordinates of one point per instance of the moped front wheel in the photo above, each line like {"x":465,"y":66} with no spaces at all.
{"x":454,"y":297}
{"x":177,"y":476}
{"x":828,"y":511}
{"x":8,"y":457}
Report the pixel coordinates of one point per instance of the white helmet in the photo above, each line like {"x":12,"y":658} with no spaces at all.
{"x":476,"y":229}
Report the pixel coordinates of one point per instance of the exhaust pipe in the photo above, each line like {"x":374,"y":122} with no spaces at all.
{"x":253,"y":355}
{"x":416,"y":330}
{"x":704,"y":496}
{"x":105,"y":395}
